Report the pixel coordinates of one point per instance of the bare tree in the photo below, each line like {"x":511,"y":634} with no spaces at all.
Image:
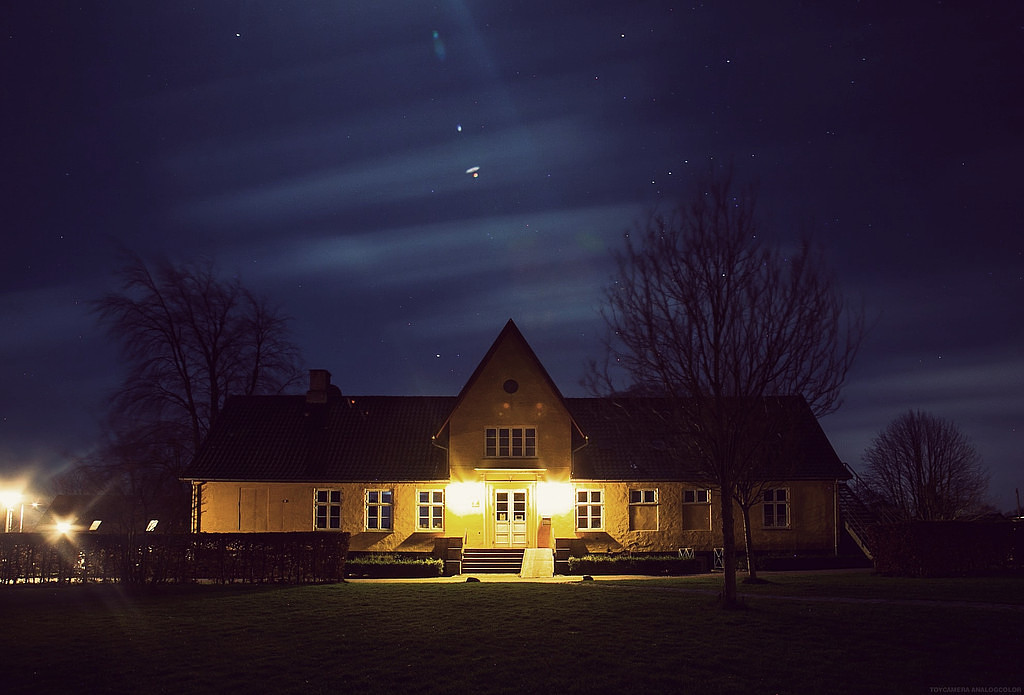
{"x":190,"y":340}
{"x":704,"y":313}
{"x":921,"y":467}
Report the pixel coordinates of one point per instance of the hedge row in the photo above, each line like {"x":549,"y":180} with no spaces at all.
{"x":632,"y":564}
{"x":154,"y":558}
{"x":389,"y":565}
{"x":946,"y":548}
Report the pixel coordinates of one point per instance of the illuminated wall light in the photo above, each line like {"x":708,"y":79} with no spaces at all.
{"x":464,"y":498}
{"x":554,"y":498}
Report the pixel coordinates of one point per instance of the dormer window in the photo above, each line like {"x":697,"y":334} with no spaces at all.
{"x":519,"y":442}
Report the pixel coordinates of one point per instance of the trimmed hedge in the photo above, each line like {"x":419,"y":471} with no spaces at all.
{"x":945,"y":548}
{"x":633,"y":564}
{"x":392,"y":566}
{"x":297,"y":558}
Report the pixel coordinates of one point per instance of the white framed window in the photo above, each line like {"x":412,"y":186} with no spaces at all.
{"x":589,"y":510}
{"x":776,"y":508}
{"x":378,"y":510}
{"x":518,"y":442}
{"x":643,"y":509}
{"x":702,"y":496}
{"x":643,"y":496}
{"x":430,"y":510}
{"x":327,"y":509}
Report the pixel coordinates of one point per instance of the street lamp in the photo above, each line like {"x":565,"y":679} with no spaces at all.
{"x":8,"y":500}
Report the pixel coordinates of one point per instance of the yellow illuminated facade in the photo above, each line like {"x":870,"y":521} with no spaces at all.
{"x":510,"y":476}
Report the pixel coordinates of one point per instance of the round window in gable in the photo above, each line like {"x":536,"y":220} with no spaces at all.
{"x":511,"y":386}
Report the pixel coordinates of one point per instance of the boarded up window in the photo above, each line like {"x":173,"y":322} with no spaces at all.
{"x":643,"y":518}
{"x":643,"y":509}
{"x":252,"y":508}
{"x":697,"y":517}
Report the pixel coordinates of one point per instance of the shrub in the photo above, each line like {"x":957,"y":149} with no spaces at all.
{"x":632,"y":564}
{"x":942,"y":548}
{"x":393,"y":565}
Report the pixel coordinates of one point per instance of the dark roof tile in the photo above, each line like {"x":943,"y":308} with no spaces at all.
{"x":630,"y":439}
{"x":282,"y":438}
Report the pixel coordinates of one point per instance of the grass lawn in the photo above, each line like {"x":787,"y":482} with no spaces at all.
{"x":580,"y":637}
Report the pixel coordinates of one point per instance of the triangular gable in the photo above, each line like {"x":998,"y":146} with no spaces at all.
{"x":510,"y":336}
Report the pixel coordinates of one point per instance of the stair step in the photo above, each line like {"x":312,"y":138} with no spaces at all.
{"x":492,"y":560}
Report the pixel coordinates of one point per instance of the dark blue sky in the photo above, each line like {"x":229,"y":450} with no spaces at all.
{"x":319,"y":151}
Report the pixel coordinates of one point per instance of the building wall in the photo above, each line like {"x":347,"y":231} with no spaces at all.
{"x":255,"y":507}
{"x":487,"y":403}
{"x":812,"y":515}
{"x":665,"y":527}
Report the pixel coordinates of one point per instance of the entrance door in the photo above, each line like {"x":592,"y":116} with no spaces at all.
{"x":510,"y":518}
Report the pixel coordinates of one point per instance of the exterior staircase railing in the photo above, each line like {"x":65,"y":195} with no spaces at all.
{"x":857,"y":517}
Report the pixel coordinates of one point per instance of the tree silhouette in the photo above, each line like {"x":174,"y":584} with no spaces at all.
{"x":703,"y":313}
{"x":921,"y":467}
{"x":189,"y":340}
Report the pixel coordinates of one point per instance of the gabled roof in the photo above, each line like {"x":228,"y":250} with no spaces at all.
{"x":510,"y":333}
{"x":326,"y":437}
{"x":284,"y":438}
{"x":389,"y":438}
{"x":631,"y":439}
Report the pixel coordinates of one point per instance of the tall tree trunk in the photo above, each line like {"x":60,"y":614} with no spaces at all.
{"x":748,"y":544}
{"x":729,"y":599}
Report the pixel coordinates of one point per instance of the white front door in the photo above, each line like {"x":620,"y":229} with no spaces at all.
{"x":510,"y":518}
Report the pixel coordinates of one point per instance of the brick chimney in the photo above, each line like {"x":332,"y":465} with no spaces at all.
{"x":319,"y":384}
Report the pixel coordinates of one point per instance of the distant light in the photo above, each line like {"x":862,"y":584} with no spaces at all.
{"x":473,"y":171}
{"x":151,"y":526}
{"x":95,"y":526}
{"x":64,"y":527}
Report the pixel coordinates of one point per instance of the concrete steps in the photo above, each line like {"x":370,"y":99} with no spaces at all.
{"x":492,"y":560}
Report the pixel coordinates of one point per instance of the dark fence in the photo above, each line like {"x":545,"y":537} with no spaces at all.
{"x":296,"y":558}
{"x":946,"y":548}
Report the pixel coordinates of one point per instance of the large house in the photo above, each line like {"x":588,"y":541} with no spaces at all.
{"x":508,"y":463}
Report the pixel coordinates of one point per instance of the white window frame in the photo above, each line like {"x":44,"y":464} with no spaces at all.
{"x":326,"y":499}
{"x":772,"y":506}
{"x":696,"y":494}
{"x":587,"y":501}
{"x":643,"y":496}
{"x":379,"y":508}
{"x":433,"y":505}
{"x":517,"y":441}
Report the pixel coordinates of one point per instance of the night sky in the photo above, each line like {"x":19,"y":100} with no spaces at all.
{"x":319,"y":151}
